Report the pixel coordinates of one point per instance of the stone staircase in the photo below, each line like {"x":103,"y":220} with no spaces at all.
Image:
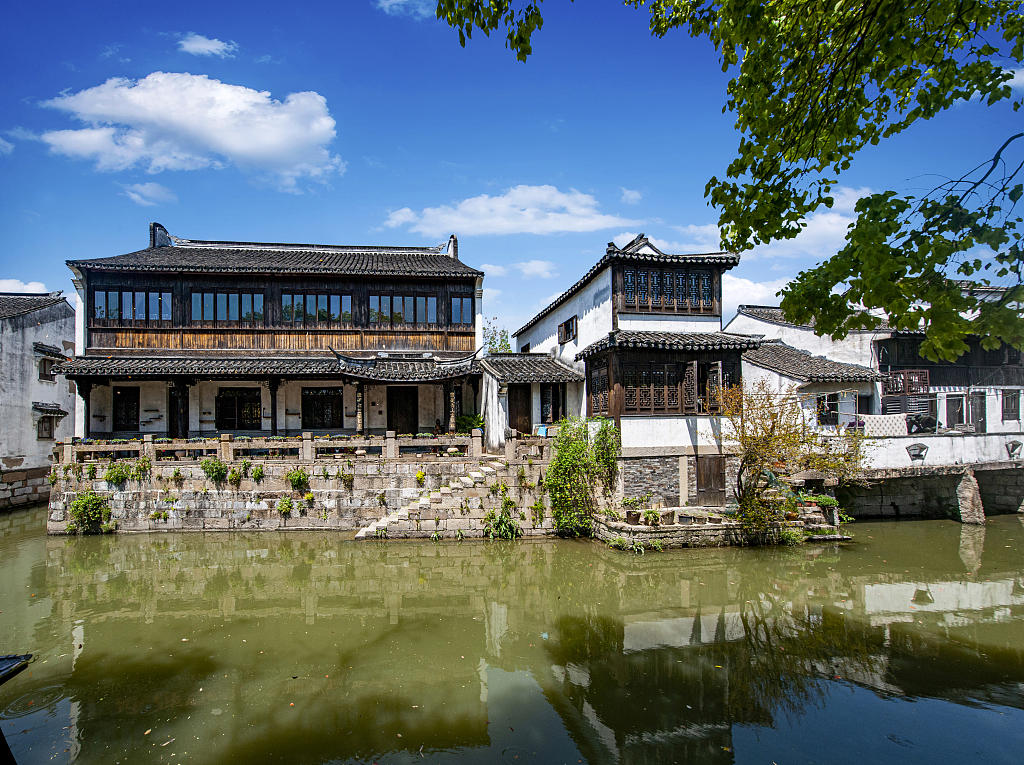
{"x":456,"y":510}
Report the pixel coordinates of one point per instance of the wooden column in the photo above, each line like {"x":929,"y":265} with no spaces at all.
{"x":273,"y":384}
{"x":84,"y":388}
{"x":616,"y":396}
{"x":181,"y":395}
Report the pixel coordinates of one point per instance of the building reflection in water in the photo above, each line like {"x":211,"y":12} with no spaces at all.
{"x":259,"y":647}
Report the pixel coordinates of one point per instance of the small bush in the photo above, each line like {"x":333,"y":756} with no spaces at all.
{"x":382,"y":500}
{"x":537,"y":513}
{"x":244,"y":465}
{"x":88,"y":511}
{"x":215,"y":470}
{"x":284,"y":506}
{"x":235,"y":477}
{"x":501,"y":525}
{"x":465,"y":423}
{"x":177,"y":477}
{"x":158,"y":515}
{"x":258,"y":473}
{"x":619,"y":543}
{"x":348,"y":480}
{"x":298,"y":478}
{"x":117,"y":473}
{"x":90,"y":472}
{"x":310,"y":498}
{"x":790,"y":537}
{"x":420,"y":477}
{"x":656,"y":545}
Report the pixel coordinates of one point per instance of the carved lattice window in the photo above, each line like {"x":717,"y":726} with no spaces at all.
{"x":629,"y":286}
{"x":690,"y":388}
{"x":641,"y":288}
{"x":629,"y":387}
{"x":644,"y":391}
{"x":655,"y":289}
{"x":658,"y":387}
{"x":706,"y":298}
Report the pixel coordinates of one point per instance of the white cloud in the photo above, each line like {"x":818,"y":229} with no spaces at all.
{"x":493,"y":270}
{"x":421,"y":8}
{"x":1017,"y":83}
{"x":736,"y":290}
{"x":490,"y":295}
{"x":6,"y":147}
{"x":16,"y":285}
{"x":198,"y":45}
{"x":701,"y":239}
{"x":110,"y":50}
{"x":148,"y":194}
{"x":630,"y":197}
{"x":170,"y":121}
{"x":519,"y":210}
{"x":824,"y":233}
{"x":536,"y":269}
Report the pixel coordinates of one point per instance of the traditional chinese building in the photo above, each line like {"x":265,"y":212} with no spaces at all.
{"x":645,"y":328}
{"x":36,"y":333}
{"x":191,"y":337}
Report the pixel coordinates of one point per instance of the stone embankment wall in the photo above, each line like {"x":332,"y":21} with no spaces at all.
{"x":932,"y":492}
{"x":455,"y":495}
{"x":720,"y":534}
{"x":23,"y":487}
{"x":672,"y":480}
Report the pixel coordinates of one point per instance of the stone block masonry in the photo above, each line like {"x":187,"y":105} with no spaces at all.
{"x":24,"y":487}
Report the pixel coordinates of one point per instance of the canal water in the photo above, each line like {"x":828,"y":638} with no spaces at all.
{"x":905,"y":645}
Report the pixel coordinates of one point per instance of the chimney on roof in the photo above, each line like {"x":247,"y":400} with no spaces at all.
{"x":453,"y":246}
{"x":158,"y":236}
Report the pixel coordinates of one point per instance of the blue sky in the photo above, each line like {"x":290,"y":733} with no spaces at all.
{"x":365,"y":122}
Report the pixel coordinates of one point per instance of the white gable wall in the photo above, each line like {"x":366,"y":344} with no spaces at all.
{"x":648,"y":322}
{"x":855,"y":348}
{"x":593,"y":306}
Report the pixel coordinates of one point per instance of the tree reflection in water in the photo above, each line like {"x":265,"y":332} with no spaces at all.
{"x":319,"y":650}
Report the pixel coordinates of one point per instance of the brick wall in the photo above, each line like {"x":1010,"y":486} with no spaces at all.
{"x":658,"y":475}
{"x":23,"y":487}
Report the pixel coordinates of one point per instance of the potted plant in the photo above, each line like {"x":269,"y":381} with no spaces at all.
{"x":651,"y":517}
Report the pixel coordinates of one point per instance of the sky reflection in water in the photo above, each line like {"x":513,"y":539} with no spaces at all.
{"x":906,"y":645}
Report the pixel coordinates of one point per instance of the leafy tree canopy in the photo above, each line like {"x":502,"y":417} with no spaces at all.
{"x":813,"y":83}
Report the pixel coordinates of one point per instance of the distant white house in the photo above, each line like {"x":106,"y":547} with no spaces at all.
{"x":37,"y":331}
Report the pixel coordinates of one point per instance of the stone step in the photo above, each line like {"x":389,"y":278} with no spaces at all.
{"x":445,"y":491}
{"x":493,"y":466}
{"x":468,"y":482}
{"x":476,"y":477}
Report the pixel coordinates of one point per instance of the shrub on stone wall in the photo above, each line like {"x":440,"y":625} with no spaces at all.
{"x":298,"y":478}
{"x":578,"y":465}
{"x":215,"y":470}
{"x":90,"y":512}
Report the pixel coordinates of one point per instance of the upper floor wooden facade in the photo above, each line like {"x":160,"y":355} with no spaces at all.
{"x":209,"y":296}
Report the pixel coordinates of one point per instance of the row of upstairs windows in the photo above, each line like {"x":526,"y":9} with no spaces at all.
{"x":246,"y":309}
{"x":668,"y":290}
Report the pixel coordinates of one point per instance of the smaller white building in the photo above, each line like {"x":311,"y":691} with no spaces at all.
{"x":36,"y":405}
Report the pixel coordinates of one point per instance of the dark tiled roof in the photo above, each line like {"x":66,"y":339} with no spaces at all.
{"x":47,"y":408}
{"x":801,"y":365}
{"x":672,"y":341}
{"x":773,"y":315}
{"x":528,"y":367}
{"x":16,"y":303}
{"x":257,"y":258}
{"x":397,"y":369}
{"x":49,"y":350}
{"x":632,"y":253}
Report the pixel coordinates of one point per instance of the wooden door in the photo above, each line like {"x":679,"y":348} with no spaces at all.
{"x":520,"y":404}
{"x":978,"y":419}
{"x":403,"y":409}
{"x":126,"y":409}
{"x":174,"y":404}
{"x":711,"y":481}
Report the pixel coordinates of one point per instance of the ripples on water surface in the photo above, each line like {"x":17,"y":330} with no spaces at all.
{"x":906,"y":645}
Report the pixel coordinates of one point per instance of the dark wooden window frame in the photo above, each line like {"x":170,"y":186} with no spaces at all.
{"x":45,"y":428}
{"x":472,"y":310}
{"x":567,"y":330}
{"x":1011,"y":405}
{"x":321,"y":317}
{"x":233,"y":301}
{"x":672,"y":388}
{"x":99,"y":310}
{"x":670,"y":290}
{"x":245,"y":416}
{"x":45,"y":373}
{"x":828,"y":409}
{"x":320,"y":414}
{"x":416,"y":296}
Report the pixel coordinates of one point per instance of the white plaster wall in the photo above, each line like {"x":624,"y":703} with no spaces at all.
{"x":646,"y":322}
{"x":431,"y":408}
{"x":593,"y":306}
{"x":376,"y":398}
{"x":101,"y":404}
{"x":670,"y":432}
{"x":493,"y":407}
{"x":942,"y":450}
{"x":855,"y":348}
{"x":576,"y":399}
{"x":20,"y":385}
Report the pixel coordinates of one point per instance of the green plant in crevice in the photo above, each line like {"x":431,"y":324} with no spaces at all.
{"x":310,"y":499}
{"x":381,"y":534}
{"x":382,"y":500}
{"x":214,"y":469}
{"x":89,"y":512}
{"x":435,"y":537}
{"x":117,"y":473}
{"x":298,"y":478}
{"x":235,"y":477}
{"x":348,"y":480}
{"x":637,"y":547}
{"x":501,"y":524}
{"x":576,"y":468}
{"x":421,"y":477}
{"x":656,"y":544}
{"x":285,"y":506}
{"x":159,"y":515}
{"x":258,"y":473}
{"x":244,"y":466}
{"x":537,"y":512}
{"x":459,"y":536}
{"x":618,"y":543}
{"x":90,"y":472}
